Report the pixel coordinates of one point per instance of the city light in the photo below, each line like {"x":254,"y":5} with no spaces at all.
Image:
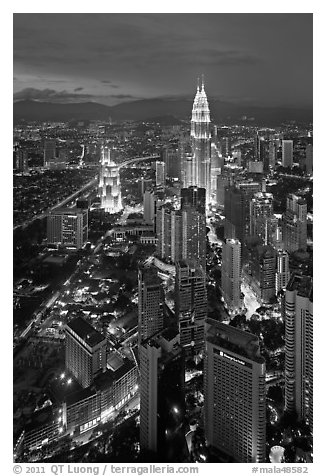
{"x":163,"y":249}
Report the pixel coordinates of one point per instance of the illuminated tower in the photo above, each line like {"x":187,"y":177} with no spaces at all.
{"x":200,"y":142}
{"x":109,"y":183}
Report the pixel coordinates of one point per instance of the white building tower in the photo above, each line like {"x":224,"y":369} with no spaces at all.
{"x":200,"y":143}
{"x":109,"y":183}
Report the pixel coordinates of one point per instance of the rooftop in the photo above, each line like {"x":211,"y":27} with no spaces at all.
{"x":85,"y":331}
{"x":233,"y":339}
{"x":301,"y":284}
{"x":149,"y":276}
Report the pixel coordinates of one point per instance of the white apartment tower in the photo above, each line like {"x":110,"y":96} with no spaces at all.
{"x":299,"y":347}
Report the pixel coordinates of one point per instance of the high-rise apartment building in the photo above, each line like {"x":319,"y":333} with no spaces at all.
{"x":299,"y":347}
{"x":261,"y":208}
{"x":282,"y":270}
{"x":295,"y":224}
{"x":49,"y":151}
{"x":169,"y":233}
{"x":222,"y":182}
{"x":149,"y":204}
{"x":160,"y":170}
{"x":193,"y":225}
{"x":190,"y":305}
{"x":234,"y":393}
{"x":235,"y":214}
{"x":309,"y":158}
{"x":200,"y":142}
{"x":67,"y":227}
{"x":172,"y":160}
{"x":150,"y":303}
{"x":287,"y":153}
{"x":85,"y":351}
{"x":109,"y":183}
{"x":263,"y":268}
{"x":231,"y":274}
{"x":162,"y":406}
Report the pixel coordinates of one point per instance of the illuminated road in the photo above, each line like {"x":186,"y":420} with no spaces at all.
{"x":138,"y":159}
{"x":58,"y":205}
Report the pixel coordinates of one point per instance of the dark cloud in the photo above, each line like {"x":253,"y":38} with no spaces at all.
{"x":78,"y":89}
{"x":49,"y":95}
{"x":106,"y":81}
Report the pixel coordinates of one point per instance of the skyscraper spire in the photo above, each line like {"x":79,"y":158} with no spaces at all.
{"x":198,"y":84}
{"x":200,"y":141}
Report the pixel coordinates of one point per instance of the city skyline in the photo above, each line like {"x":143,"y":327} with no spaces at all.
{"x":163,"y":268}
{"x":102,"y":63}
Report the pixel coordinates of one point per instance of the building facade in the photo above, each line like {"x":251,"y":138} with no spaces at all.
{"x":150,"y":303}
{"x":234,"y":393}
{"x":85,"y":353}
{"x":190,"y":305}
{"x":298,"y":310}
{"x":261,"y":208}
{"x":231,"y":274}
{"x":67,"y":227}
{"x":287,"y":153}
{"x":294,"y":223}
{"x":162,"y":407}
{"x":109,"y":183}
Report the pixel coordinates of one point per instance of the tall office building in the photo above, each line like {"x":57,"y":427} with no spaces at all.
{"x":287,"y":153}
{"x":160,"y":171}
{"x":234,"y":393}
{"x":185,"y":161}
{"x":309,"y":158}
{"x":231,"y":274}
{"x":172,"y":160}
{"x":282,"y":276}
{"x":67,"y":227}
{"x":162,"y":398}
{"x":109,"y":183}
{"x":216,"y":170}
{"x":222,"y":182}
{"x":261,"y":208}
{"x":49,"y":151}
{"x":150,"y":303}
{"x":85,"y":351}
{"x":190,"y":305}
{"x":235,"y":214}
{"x":193,"y":197}
{"x":149,"y":204}
{"x":193,"y":225}
{"x":169,"y":233}
{"x":299,"y":347}
{"x":200,"y":142}
{"x":263,"y":268}
{"x":295,"y":223}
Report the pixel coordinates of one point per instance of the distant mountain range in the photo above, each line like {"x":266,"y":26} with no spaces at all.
{"x":165,"y":110}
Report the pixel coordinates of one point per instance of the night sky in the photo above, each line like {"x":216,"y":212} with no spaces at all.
{"x":260,"y":59}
